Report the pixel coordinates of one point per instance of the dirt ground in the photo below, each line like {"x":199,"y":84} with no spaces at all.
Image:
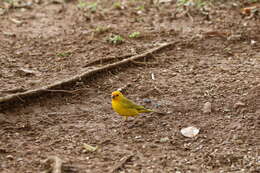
{"x":216,"y":60}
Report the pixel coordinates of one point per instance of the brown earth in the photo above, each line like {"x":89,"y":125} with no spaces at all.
{"x":216,"y":60}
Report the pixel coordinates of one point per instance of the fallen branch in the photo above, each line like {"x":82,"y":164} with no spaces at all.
{"x":20,"y":97}
{"x":121,"y":163}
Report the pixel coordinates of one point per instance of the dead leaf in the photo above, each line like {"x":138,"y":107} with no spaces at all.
{"x":89,"y":147}
{"x":163,"y":140}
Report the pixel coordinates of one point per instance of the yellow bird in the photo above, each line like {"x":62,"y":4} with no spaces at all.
{"x":126,"y":107}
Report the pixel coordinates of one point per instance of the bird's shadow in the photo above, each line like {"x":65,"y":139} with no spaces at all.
{"x":141,"y":121}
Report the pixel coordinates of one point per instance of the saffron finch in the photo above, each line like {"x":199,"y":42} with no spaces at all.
{"x":126,"y":107}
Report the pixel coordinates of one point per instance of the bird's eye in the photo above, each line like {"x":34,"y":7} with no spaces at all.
{"x":117,"y":95}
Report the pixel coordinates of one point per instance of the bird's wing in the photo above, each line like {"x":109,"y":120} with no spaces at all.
{"x":130,"y":105}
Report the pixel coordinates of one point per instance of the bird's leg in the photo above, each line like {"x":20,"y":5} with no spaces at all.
{"x":126,"y":118}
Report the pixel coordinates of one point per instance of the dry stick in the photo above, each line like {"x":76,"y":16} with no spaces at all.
{"x":74,"y":79}
{"x":121,"y":163}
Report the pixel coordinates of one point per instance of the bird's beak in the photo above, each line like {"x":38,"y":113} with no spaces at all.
{"x":113,"y":96}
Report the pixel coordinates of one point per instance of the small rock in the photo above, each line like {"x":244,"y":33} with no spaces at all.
{"x":190,"y":132}
{"x":157,"y":105}
{"x":20,"y":159}
{"x":239,"y":104}
{"x":146,"y":100}
{"x":10,"y":157}
{"x":206,"y":108}
{"x":138,"y":137}
{"x":252,"y":42}
{"x":163,"y":140}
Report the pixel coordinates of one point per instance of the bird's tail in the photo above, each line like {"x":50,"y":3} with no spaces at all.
{"x":150,"y":110}
{"x":145,"y":110}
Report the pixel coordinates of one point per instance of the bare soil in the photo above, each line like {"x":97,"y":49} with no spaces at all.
{"x":216,"y":60}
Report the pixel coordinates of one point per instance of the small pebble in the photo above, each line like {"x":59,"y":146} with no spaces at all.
{"x":163,"y":140}
{"x":206,"y":108}
{"x":190,"y":132}
{"x":10,"y":157}
{"x":138,"y":137}
{"x":157,"y":105}
{"x":146,"y":100}
{"x":20,"y":159}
